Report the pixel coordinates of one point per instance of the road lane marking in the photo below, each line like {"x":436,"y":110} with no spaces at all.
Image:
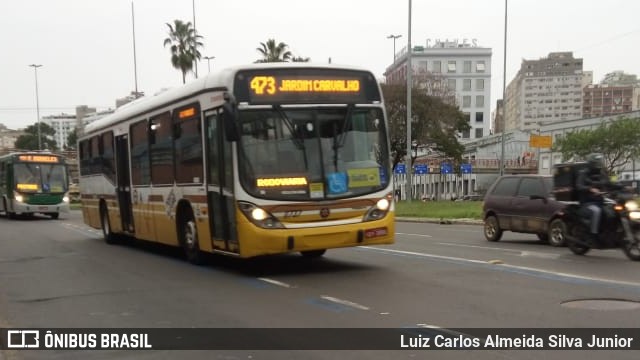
{"x":421,"y":235}
{"x":522,"y":270}
{"x":276,"y":282}
{"x":344,"y":302}
{"x":525,"y":253}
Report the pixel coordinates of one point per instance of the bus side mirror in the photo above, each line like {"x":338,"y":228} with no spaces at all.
{"x":229,"y":120}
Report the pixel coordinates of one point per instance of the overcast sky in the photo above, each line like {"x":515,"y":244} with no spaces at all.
{"x":86,"y":47}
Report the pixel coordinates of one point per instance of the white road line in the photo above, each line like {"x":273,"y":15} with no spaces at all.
{"x":422,"y":235}
{"x":538,"y":254}
{"x":276,"y":282}
{"x":344,"y":302}
{"x":522,"y":269}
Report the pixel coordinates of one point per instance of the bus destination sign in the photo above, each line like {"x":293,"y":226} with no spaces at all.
{"x":39,"y":158}
{"x":308,"y":86}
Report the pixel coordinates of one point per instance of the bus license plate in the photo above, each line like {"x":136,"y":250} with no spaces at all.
{"x":375,"y":232}
{"x":43,"y":208}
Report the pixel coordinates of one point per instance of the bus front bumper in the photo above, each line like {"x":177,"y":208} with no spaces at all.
{"x":22,"y":208}
{"x":256,"y":241}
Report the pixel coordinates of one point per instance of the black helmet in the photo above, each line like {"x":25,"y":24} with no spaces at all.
{"x":595,"y":161}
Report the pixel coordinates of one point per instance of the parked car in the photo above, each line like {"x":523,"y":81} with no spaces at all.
{"x":524,"y":204}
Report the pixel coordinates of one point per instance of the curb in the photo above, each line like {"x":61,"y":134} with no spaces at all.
{"x":440,"y":221}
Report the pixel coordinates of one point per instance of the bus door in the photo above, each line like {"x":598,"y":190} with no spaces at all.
{"x":220,"y":186}
{"x":123,"y":182}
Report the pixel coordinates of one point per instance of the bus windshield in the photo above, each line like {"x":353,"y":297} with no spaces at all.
{"x":320,"y":153}
{"x":46,"y":178}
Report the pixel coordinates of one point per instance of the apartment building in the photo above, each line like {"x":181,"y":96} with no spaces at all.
{"x":459,"y":68}
{"x":544,"y":90}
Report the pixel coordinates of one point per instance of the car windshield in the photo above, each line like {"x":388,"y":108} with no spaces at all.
{"x":46,"y":178}
{"x":320,"y":153}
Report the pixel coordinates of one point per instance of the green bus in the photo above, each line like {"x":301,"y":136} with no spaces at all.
{"x":33,"y":182}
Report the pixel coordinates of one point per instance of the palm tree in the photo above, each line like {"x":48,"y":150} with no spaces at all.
{"x":273,"y":53}
{"x":184,"y":46}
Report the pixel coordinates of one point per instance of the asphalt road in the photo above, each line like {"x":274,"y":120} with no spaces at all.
{"x":61,"y":274}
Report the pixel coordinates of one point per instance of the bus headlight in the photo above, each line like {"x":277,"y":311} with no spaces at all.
{"x":379,"y":210}
{"x":631,"y":205}
{"x":65,"y":198}
{"x":259,"y":216}
{"x":17,"y":197}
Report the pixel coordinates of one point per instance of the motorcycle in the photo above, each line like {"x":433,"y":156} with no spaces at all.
{"x":619,"y":226}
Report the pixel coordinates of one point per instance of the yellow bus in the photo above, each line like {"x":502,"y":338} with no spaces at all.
{"x":253,"y":160}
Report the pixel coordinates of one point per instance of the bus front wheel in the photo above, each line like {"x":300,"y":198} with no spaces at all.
{"x":312,"y":254}
{"x":54,"y":216}
{"x":189,"y":240}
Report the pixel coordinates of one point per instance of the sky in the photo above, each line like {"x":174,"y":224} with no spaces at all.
{"x":86,"y":47}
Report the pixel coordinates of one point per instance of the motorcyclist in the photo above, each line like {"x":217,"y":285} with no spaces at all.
{"x":592,"y":181}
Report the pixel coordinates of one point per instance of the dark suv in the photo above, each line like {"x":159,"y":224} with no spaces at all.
{"x":523,"y":203}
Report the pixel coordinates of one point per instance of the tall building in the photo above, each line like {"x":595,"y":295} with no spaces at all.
{"x":452,"y":68}
{"x":617,"y":93}
{"x":63,"y":125}
{"x":546,"y":90}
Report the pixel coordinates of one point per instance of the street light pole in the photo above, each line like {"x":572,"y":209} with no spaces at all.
{"x":195,"y":33}
{"x":504,"y":91}
{"x":394,"y":37}
{"x":409,"y":116}
{"x":35,"y":70}
{"x":208,"y":59}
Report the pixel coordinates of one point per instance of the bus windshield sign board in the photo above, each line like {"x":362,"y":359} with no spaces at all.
{"x":39,"y":158}
{"x":305,"y":86}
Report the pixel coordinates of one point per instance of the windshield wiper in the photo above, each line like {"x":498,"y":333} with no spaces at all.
{"x":339,"y":139}
{"x":297,"y":141}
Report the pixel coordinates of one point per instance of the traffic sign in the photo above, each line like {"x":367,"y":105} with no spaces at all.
{"x":400,"y":169}
{"x":420,"y":169}
{"x":466,"y":168}
{"x":446,"y":168}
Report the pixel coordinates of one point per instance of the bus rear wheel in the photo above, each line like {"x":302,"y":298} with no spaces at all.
{"x":189,"y":240}
{"x":312,"y":254}
{"x":109,"y":236}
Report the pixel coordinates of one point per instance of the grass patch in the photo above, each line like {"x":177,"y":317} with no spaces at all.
{"x":440,"y":209}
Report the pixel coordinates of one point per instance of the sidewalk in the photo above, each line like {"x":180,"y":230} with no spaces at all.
{"x":440,"y":221}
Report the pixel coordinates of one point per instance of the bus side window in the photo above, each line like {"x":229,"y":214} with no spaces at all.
{"x":140,"y":153}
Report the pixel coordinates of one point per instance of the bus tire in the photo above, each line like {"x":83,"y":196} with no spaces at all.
{"x":9,"y":214}
{"x":189,"y":239}
{"x":313,"y":254}
{"x":109,"y":236}
{"x":54,"y":216}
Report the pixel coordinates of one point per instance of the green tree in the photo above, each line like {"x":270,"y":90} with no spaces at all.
{"x":29,"y":141}
{"x":72,"y":139}
{"x":272,"y":52}
{"x":184,"y":43}
{"x":434,"y":122}
{"x":617,"y":141}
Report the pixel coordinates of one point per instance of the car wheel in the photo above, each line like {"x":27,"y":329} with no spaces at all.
{"x":492,"y":231}
{"x":557,"y":231}
{"x":543,"y":237}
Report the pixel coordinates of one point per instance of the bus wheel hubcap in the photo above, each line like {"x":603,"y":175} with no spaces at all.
{"x":190,"y":235}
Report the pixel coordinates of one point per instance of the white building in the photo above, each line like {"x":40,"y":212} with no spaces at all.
{"x":63,"y":124}
{"x":465,"y":70}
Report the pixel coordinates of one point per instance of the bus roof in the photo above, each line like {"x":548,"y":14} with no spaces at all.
{"x":220,"y":80}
